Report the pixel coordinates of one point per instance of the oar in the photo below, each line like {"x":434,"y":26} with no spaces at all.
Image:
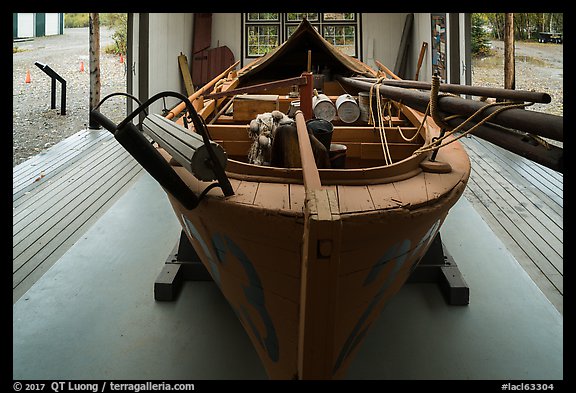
{"x":179,"y":108}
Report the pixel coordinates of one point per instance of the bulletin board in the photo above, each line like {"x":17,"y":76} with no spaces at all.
{"x":439,"y":45}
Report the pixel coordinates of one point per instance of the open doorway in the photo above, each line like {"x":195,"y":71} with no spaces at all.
{"x":36,"y":126}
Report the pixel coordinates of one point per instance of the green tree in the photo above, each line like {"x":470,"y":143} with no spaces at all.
{"x":526,"y":25}
{"x":480,"y":42}
{"x":119,"y":22}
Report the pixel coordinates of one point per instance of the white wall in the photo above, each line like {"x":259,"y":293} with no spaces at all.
{"x":170,"y":35}
{"x":27,"y":24}
{"x":422,"y":33}
{"x":226,"y":31}
{"x":381,"y":36}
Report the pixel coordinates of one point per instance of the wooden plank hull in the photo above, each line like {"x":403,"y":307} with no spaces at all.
{"x":256,"y":245}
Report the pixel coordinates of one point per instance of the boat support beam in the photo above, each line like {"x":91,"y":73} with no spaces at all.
{"x":183,"y":264}
{"x":438,"y":267}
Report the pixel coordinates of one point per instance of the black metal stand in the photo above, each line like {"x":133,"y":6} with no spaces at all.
{"x":55,"y":77}
{"x":437,"y":266}
{"x":183,"y":264}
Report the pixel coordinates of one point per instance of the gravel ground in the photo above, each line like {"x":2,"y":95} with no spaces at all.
{"x":36,"y":127}
{"x":538,"y":66}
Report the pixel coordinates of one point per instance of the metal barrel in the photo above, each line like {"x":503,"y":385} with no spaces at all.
{"x":323,"y":107}
{"x":364,"y":105}
{"x":347,"y":108}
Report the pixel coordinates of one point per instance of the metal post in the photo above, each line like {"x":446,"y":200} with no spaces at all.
{"x":53,"y":95}
{"x":63,"y":98}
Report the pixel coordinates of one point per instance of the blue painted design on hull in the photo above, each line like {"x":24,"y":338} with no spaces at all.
{"x":253,"y":293}
{"x":193,"y":232}
{"x":400,"y":252}
{"x":396,"y":251}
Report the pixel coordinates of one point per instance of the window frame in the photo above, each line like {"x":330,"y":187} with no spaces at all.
{"x":283,"y":23}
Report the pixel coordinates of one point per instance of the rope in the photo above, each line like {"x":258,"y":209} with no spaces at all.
{"x":539,"y":140}
{"x":434,"y":89}
{"x":422,"y":124}
{"x":431,"y":110}
{"x":438,"y":143}
{"x":381,"y":119}
{"x":372,"y":120}
{"x":433,"y":107}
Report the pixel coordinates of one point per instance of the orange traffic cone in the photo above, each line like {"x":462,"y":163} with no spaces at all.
{"x":81,"y":66}
{"x":28,"y":76}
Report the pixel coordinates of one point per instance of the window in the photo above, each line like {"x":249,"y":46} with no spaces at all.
{"x":262,"y":32}
{"x":265,"y":31}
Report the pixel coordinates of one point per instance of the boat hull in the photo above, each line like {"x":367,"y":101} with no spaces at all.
{"x":256,"y":255}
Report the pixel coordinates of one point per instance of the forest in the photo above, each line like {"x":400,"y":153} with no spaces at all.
{"x":526,"y":25}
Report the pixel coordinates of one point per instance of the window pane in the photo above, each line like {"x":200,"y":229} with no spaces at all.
{"x":295,"y":17}
{"x":261,"y":39}
{"x":255,"y":17}
{"x":292,"y":28}
{"x":343,"y":37}
{"x":340,"y":16}
{"x":263,"y":30}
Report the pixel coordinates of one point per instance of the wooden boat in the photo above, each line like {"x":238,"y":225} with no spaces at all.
{"x":306,"y":257}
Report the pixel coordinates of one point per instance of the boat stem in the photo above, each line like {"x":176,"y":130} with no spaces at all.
{"x":309,"y":169}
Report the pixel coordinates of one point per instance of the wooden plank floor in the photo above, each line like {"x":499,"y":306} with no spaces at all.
{"x":57,"y":195}
{"x":522,"y":202}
